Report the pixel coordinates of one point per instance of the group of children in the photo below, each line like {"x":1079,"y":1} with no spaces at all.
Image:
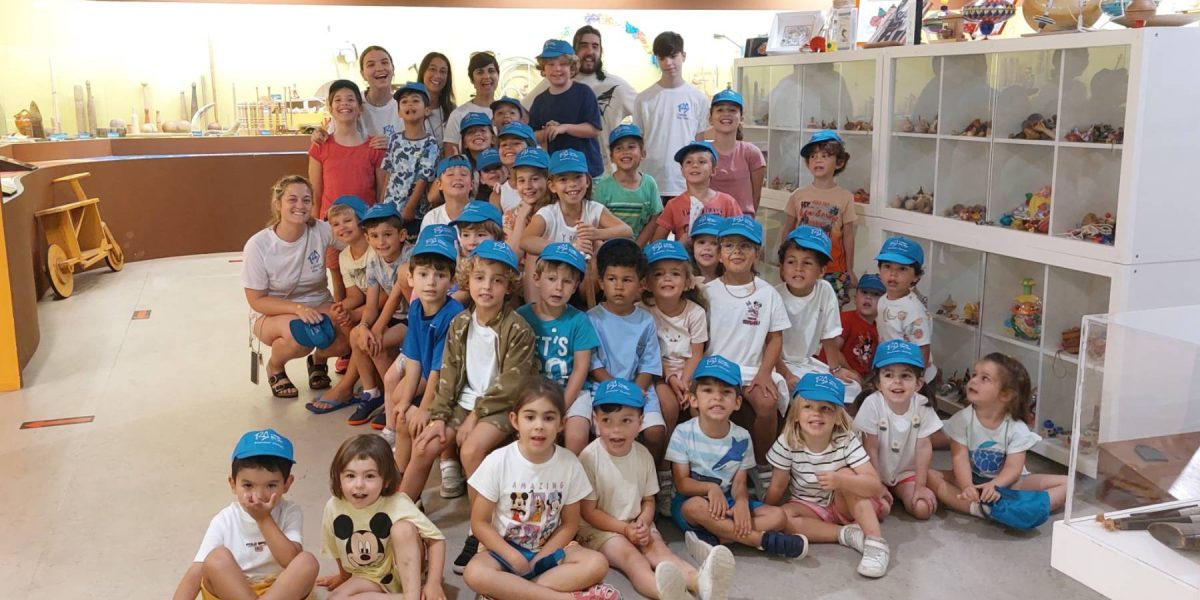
{"x":540,"y":304}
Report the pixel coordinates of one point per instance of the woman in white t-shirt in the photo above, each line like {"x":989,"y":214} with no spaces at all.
{"x":380,"y":117}
{"x":484,"y":73}
{"x":283,"y":272}
{"x":435,"y":74}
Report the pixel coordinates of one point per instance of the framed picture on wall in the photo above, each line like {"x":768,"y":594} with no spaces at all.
{"x":791,"y":31}
{"x":897,"y":26}
{"x":843,"y":27}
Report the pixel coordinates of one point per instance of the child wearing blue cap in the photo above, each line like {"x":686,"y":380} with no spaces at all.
{"x":477,"y":135}
{"x":565,"y":338}
{"x":859,"y":334}
{"x":825,"y":204}
{"x":740,"y":165}
{"x":455,"y":181}
{"x":631,"y":195}
{"x":711,"y":458}
{"x":345,"y":218}
{"x":566,"y":115}
{"x":412,"y":156}
{"x":670,"y":113}
{"x":697,"y":161}
{"x":896,"y":424}
{"x":483,"y":70}
{"x":254,"y":544}
{"x":823,"y":476}
{"x":902,"y":311}
{"x":513,"y":139}
{"x":705,"y":249}
{"x":812,"y":306}
{"x":619,"y":512}
{"x":505,"y":110}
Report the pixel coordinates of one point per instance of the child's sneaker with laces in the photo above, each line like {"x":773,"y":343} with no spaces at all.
{"x":600,"y":591}
{"x":699,"y":544}
{"x":470,"y":549}
{"x":876,"y":555}
{"x":453,"y":482}
{"x":851,"y":536}
{"x":716,"y":574}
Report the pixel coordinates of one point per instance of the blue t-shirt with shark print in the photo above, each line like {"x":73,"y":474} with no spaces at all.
{"x":711,"y":460}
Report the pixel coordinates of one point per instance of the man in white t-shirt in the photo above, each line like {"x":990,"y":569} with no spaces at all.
{"x":614,"y":95}
{"x":254,"y":544}
{"x":670,"y":113}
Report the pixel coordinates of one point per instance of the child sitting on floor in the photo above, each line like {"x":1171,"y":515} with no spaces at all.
{"x":859,"y":335}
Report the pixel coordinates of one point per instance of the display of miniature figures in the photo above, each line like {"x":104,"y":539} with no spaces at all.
{"x":1100,"y":133}
{"x":977,"y":128}
{"x":1070,"y":340}
{"x":921,"y":125}
{"x":948,"y":307}
{"x":920,"y":202}
{"x":1034,"y":217}
{"x":1098,"y":230}
{"x":1025,"y":321}
{"x":1037,"y":127}
{"x":951,"y":392}
{"x":813,"y":123}
{"x":860,"y":125}
{"x":862,"y":196}
{"x":974,"y":213}
{"x":779,"y":184}
{"x":971,"y":313}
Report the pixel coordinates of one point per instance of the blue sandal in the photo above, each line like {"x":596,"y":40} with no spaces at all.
{"x":316,"y":410}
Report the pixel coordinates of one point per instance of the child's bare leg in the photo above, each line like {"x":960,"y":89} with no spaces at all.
{"x":658,"y":552}
{"x":862,"y":509}
{"x":946,"y":492}
{"x":1055,"y":485}
{"x":359,"y":589}
{"x":919,"y":509}
{"x":696,"y":512}
{"x":626,"y":558}
{"x":580,"y":569}
{"x":392,"y":380}
{"x":339,"y":285}
{"x":766,"y":423}
{"x":365,"y":365}
{"x":940,"y":440}
{"x":655,"y":439}
{"x":223,"y":577}
{"x":423,"y":457}
{"x":408,"y":549}
{"x":802,"y":520}
{"x":404,"y":442}
{"x":296,"y":580}
{"x":485,"y":577}
{"x":578,"y":431}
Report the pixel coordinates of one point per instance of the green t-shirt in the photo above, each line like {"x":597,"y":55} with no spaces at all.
{"x":634,"y":207}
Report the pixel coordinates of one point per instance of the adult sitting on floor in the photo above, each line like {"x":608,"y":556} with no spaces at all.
{"x":284,"y":276}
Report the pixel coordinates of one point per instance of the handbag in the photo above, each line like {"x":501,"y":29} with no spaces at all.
{"x":1019,"y":509}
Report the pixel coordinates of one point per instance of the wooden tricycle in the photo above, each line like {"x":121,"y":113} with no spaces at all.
{"x":76,"y":236}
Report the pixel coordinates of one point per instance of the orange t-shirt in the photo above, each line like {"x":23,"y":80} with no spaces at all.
{"x":828,"y":209}
{"x":677,"y":214}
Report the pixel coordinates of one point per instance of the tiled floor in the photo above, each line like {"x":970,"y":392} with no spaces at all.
{"x":116,"y":508}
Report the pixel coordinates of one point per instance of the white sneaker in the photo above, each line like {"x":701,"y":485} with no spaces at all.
{"x":389,"y":436}
{"x":875,"y":558}
{"x":669,"y":581}
{"x":453,"y":482}
{"x":851,"y":536}
{"x":698,"y":548}
{"x":716,"y":574}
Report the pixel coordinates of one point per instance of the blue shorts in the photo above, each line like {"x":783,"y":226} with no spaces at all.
{"x":541,"y":566}
{"x":677,"y":510}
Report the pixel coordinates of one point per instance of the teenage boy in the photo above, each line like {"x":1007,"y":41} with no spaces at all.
{"x":566,"y":115}
{"x":670,"y":113}
{"x":629,"y":194}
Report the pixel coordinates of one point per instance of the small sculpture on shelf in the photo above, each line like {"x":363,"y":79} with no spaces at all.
{"x":977,"y":128}
{"x":1070,"y":340}
{"x":862,"y":196}
{"x":1052,"y":430}
{"x":779,"y":184}
{"x":971,"y":313}
{"x":974,"y":213}
{"x":1034,"y":217}
{"x":1025,"y":321}
{"x":1100,"y":133}
{"x":948,"y":307}
{"x":921,"y":125}
{"x":1037,"y":127}
{"x":813,"y":123}
{"x":858,"y":125}
{"x":1098,"y":230}
{"x":921,"y":202}
{"x":951,"y":392}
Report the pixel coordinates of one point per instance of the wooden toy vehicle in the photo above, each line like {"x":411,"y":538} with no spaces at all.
{"x":76,"y":236}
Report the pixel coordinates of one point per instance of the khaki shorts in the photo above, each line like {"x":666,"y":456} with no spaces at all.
{"x":593,"y":539}
{"x":498,"y":420}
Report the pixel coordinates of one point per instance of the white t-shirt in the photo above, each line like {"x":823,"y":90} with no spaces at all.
{"x":814,"y":317}
{"x":481,"y":362}
{"x":898,"y":434}
{"x":354,"y":271}
{"x":619,"y":483}
{"x":740,"y":316}
{"x":529,"y":496}
{"x":437,"y":216}
{"x":382,"y":120}
{"x":451,"y":134}
{"x":434,"y":125}
{"x":906,"y":319}
{"x":557,"y":229}
{"x":844,"y":451}
{"x":988,"y":448}
{"x":509,"y":197}
{"x":614,"y":96}
{"x":293,"y":271}
{"x":670,"y":118}
{"x":236,"y":530}
{"x":677,"y":334}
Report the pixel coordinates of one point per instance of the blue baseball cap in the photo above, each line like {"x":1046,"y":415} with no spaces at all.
{"x":898,"y":352}
{"x":871,"y":283}
{"x":457,"y":160}
{"x":568,"y":161}
{"x":478,"y":211}
{"x":264,"y":442}
{"x":509,"y":100}
{"x":437,"y":239}
{"x":665,"y":250}
{"x":319,"y":335}
{"x":821,"y":387}
{"x":564,"y":253}
{"x":497,"y":251}
{"x":521,"y":130}
{"x":621,"y":392}
{"x":381,"y":211}
{"x":744,"y":226}
{"x":708,"y":224}
{"x":474,"y":119}
{"x":532,"y":157}
{"x":355,"y":203}
{"x":729,"y":96}
{"x":623,"y":131}
{"x":719,"y":368}
{"x":901,"y":250}
{"x":412,"y":86}
{"x":694,"y":147}
{"x":555,"y":49}
{"x":812,"y":238}
{"x":487,"y":159}
{"x":824,"y":135}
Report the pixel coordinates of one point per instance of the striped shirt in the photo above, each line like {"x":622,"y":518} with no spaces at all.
{"x":844,"y":451}
{"x":711,"y":460}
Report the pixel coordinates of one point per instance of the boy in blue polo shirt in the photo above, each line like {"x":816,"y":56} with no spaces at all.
{"x":566,"y":115}
{"x":254,"y":544}
{"x":629,"y":194}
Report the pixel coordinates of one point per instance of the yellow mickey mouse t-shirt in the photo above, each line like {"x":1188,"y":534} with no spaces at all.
{"x":359,"y":538}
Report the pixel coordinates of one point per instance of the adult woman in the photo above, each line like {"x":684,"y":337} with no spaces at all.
{"x":434,"y":72}
{"x":484,"y":72}
{"x":284,"y":276}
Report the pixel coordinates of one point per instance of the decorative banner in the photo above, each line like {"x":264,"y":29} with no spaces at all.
{"x":633,"y":31}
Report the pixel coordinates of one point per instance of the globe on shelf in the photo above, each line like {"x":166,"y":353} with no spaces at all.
{"x":988,"y":14}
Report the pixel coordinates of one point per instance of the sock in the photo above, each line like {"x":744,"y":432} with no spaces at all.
{"x":373,"y":392}
{"x":977,"y":510}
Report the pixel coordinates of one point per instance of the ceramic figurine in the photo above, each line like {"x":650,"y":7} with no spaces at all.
{"x":862,"y":196}
{"x":1034,"y":216}
{"x":860,"y":125}
{"x":947,"y":308}
{"x":921,"y":202}
{"x":977,"y":128}
{"x":971,"y":313}
{"x":906,"y":125}
{"x":1099,"y":230}
{"x":1026,"y":319}
{"x":974,"y":213}
{"x":1070,"y":340}
{"x":1036,"y":127}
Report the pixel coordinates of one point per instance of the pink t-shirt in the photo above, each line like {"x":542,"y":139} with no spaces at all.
{"x":677,"y":214}
{"x":733,"y":174}
{"x":346,"y":170}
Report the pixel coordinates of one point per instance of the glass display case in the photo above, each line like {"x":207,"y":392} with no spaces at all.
{"x":1136,"y":420}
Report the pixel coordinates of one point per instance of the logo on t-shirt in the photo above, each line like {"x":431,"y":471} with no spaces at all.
{"x":603,"y":99}
{"x":314,"y":261}
{"x":734,"y":455}
{"x":257,"y":546}
{"x":753,"y":309}
{"x":682,"y":110}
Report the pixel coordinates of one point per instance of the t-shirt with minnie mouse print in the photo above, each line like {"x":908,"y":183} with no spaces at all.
{"x":360,"y":538}
{"x":739,"y":319}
